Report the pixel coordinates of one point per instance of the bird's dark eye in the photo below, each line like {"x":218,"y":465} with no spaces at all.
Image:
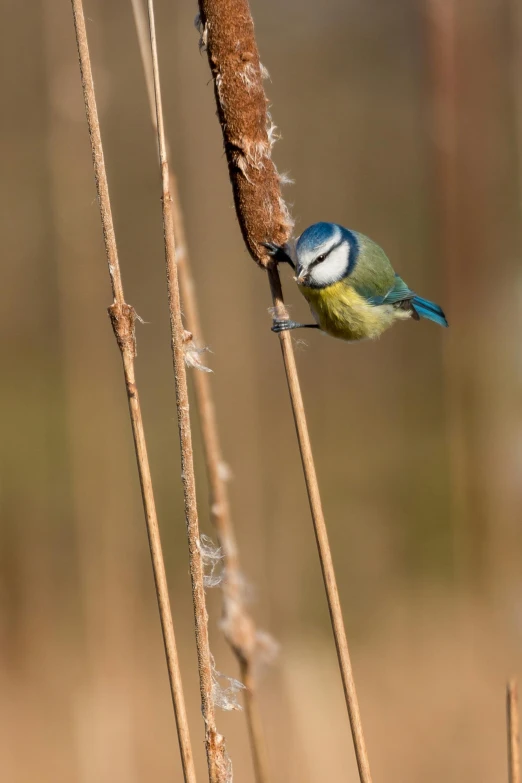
{"x":318,"y":260}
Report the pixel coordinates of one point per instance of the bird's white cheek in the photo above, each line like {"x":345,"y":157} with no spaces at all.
{"x":333,"y":268}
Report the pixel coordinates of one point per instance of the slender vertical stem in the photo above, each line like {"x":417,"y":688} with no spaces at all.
{"x":513,"y":732}
{"x":218,"y":762}
{"x":123,"y":318}
{"x":237,"y":624}
{"x":105,"y":718}
{"x":256,"y":735}
{"x":227,"y":32}
{"x":321,"y":534}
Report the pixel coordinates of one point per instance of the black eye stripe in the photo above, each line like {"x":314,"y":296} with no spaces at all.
{"x":318,"y":260}
{"x":324,"y":256}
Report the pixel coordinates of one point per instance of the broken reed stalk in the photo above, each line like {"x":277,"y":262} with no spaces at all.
{"x":236,"y":623}
{"x":227,"y":33}
{"x":123,"y":319}
{"x":513,"y":732}
{"x":219,"y":765}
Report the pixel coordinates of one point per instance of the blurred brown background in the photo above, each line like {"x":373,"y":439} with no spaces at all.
{"x":417,"y":436}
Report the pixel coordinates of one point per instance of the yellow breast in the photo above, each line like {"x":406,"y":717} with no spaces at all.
{"x":342,"y":312}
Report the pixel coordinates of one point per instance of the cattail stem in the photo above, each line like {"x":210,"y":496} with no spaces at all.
{"x":321,"y":535}
{"x":227,"y":32}
{"x":123,"y":318}
{"x":217,"y":759}
{"x":513,"y":732}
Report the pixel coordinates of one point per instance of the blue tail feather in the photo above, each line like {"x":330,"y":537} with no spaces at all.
{"x":430,"y":310}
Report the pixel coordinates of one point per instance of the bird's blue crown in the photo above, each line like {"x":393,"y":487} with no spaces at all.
{"x":318,"y":234}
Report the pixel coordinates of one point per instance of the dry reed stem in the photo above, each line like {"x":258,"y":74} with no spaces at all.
{"x":256,"y":734}
{"x":513,"y":724}
{"x":123,"y":319}
{"x":227,"y":32}
{"x":104,"y":714}
{"x":218,"y":762}
{"x":236,"y":623}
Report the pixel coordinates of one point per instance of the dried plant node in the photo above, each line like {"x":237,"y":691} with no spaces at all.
{"x":123,"y":319}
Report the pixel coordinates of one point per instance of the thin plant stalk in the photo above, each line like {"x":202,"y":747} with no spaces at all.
{"x":123,"y":319}
{"x":227,"y":33}
{"x":254,"y":721}
{"x":237,"y":624}
{"x":513,"y":730}
{"x":321,"y":534}
{"x":218,"y":762}
{"x":108,"y":583}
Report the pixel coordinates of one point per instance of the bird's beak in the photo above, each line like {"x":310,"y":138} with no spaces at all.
{"x":301,"y":277}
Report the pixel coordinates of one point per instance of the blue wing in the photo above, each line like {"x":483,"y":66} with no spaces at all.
{"x":399,"y":292}
{"x":404,"y":298}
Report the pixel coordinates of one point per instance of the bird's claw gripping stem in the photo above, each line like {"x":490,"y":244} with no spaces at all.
{"x":284,"y":324}
{"x":279,"y":253}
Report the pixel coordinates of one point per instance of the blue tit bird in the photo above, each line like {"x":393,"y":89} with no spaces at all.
{"x":350,"y":284}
